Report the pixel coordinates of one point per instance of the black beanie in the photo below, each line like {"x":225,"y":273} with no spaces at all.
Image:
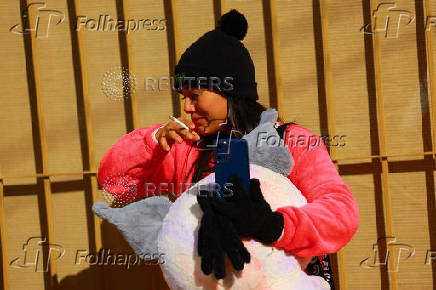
{"x":219,"y":61}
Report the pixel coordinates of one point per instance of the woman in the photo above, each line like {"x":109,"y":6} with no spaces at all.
{"x":168,"y":157}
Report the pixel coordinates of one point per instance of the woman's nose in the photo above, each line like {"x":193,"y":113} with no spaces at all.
{"x":189,"y":106}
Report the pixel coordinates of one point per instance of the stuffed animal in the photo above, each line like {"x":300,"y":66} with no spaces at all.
{"x":155,"y":225}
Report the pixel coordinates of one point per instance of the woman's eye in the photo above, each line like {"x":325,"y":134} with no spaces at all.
{"x":192,"y":97}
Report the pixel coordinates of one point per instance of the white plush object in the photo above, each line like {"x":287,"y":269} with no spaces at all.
{"x":270,"y":268}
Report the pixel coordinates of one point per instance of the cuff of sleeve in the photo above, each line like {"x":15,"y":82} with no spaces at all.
{"x":288,"y":232}
{"x":283,"y":231}
{"x":153,"y":134}
{"x":149,"y":139}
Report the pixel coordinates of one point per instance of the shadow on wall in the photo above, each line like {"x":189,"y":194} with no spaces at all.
{"x":115,"y":276}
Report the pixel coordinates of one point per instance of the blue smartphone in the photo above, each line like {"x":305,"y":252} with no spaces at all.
{"x":231,"y":157}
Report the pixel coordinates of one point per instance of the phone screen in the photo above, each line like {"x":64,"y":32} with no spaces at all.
{"x":231,"y":157}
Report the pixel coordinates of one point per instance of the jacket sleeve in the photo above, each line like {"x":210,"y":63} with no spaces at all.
{"x":135,"y":165}
{"x":330,"y":218}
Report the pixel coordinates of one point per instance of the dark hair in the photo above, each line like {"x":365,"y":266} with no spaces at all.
{"x":243,"y":116}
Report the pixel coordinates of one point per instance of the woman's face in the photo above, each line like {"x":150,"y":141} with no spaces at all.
{"x":207,"y":108}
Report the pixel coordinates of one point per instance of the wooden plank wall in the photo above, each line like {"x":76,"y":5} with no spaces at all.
{"x":313,"y":63}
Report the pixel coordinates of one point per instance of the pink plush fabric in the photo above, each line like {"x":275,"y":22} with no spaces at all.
{"x":325,"y":225}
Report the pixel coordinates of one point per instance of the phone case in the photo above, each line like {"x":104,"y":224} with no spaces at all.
{"x":231,"y":156}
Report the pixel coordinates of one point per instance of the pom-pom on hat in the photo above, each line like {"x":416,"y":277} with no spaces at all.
{"x":218,"y":60}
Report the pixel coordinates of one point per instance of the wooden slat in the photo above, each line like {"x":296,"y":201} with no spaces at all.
{"x":387,"y":200}
{"x":430,"y":67}
{"x":127,"y":38}
{"x":39,"y":175}
{"x":88,"y":121}
{"x":52,"y":269}
{"x":3,"y":240}
{"x":273,"y":57}
{"x":93,"y":172}
{"x":89,"y":132}
{"x":174,"y":50}
{"x":418,"y":154}
{"x":219,"y":8}
{"x":331,"y":120}
{"x":432,"y":83}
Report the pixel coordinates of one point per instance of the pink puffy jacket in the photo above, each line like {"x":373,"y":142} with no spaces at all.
{"x":324,"y":225}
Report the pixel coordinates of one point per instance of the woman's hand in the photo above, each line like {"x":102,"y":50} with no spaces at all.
{"x":216,"y":237}
{"x":250,"y":212}
{"x":303,"y":261}
{"x":173,"y":132}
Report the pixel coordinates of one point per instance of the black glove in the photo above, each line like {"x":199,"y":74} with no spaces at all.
{"x":217,"y":236}
{"x":249,"y":212}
